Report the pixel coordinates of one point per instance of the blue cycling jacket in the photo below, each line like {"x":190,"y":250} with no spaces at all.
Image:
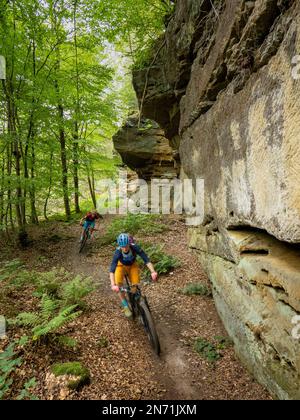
{"x":129,"y":258}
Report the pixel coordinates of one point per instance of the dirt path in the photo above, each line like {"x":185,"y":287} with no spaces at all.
{"x":126,"y":368}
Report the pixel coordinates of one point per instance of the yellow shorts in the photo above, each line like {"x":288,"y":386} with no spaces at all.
{"x":133,"y":272}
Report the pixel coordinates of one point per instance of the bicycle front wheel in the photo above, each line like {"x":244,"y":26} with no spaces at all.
{"x":83,"y":242}
{"x":149,"y":326}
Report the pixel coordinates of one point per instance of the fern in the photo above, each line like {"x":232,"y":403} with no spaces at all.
{"x":164,"y":263}
{"x":26,"y":391}
{"x":14,"y":274}
{"x":73,"y":291}
{"x":55,"y":311}
{"x":23,"y":278}
{"x":48,"y":307}
{"x":49,"y":283}
{"x":64,"y":316}
{"x":26,"y":319}
{"x":8,"y":363}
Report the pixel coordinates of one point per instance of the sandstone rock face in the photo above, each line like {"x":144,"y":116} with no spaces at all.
{"x":226,"y":80}
{"x":170,"y":73}
{"x":146,"y":150}
{"x":256,"y":289}
{"x":246,"y":147}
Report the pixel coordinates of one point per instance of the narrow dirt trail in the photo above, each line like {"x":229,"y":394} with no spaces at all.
{"x":170,"y":368}
{"x":125,"y":367}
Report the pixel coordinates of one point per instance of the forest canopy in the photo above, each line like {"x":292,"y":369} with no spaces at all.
{"x":65,"y":93}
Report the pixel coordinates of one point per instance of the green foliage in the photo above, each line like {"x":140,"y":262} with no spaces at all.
{"x":137,"y":24}
{"x":61,"y":297}
{"x":68,"y":77}
{"x":22,"y":278}
{"x":197,"y":289}
{"x":223,"y":342}
{"x":14,"y":275}
{"x":8,"y":363}
{"x":25,"y":319}
{"x":48,"y":320}
{"x":42,"y":259}
{"x":11,"y":266}
{"x":48,"y":307}
{"x":53,"y":323}
{"x":26,"y":391}
{"x":10,"y":269}
{"x":75,"y":369}
{"x":133,"y":224}
{"x":23,"y":341}
{"x":50,"y":71}
{"x":49,"y":282}
{"x":75,"y":290}
{"x":60,"y":285}
{"x":163,"y":262}
{"x":103,"y":342}
{"x":207,"y":350}
{"x":66,"y":341}
{"x":107,"y":166}
{"x":143,"y":58}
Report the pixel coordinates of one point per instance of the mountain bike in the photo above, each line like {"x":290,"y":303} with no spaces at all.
{"x":85,"y":237}
{"x":140,"y":310}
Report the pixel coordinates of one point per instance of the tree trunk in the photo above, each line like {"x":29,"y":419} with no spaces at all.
{"x":50,"y":187}
{"x":34,"y":216}
{"x":77,"y":109}
{"x":63,"y":153}
{"x":11,"y":126}
{"x":92,"y":192}
{"x":76,"y":166}
{"x":60,"y":113}
{"x":2,"y":193}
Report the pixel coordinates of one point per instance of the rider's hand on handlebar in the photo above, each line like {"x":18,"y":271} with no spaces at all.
{"x":154,"y":276}
{"x":115,"y":288}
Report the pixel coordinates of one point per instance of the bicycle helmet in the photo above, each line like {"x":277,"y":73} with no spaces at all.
{"x":123,"y":240}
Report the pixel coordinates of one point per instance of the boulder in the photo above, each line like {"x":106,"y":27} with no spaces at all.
{"x":146,"y":150}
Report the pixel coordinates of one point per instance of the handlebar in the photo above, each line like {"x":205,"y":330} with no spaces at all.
{"x":128,"y":288}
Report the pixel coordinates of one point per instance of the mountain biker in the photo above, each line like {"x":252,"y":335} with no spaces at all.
{"x":124,"y":262}
{"x":89,"y":221}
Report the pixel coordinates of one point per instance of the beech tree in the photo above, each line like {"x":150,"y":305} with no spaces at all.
{"x":59,"y":105}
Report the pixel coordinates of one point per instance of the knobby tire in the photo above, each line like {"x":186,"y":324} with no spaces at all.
{"x":149,"y":325}
{"x":83,"y":242}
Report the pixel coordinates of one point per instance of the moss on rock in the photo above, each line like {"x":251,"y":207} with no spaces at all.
{"x":76,"y":369}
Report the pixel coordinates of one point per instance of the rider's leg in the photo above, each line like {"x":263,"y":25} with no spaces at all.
{"x":134,"y":275}
{"x":92,"y":229}
{"x":84,"y":227}
{"x":119,"y":279}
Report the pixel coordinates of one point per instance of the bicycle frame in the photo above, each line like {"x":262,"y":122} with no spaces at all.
{"x":86,"y":236}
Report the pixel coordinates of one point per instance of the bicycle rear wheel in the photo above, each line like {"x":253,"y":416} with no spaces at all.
{"x":148,"y":324}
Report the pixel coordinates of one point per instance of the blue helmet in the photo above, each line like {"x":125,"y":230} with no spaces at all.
{"x":123,"y":240}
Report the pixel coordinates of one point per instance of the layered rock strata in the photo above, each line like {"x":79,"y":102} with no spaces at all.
{"x":146,"y":150}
